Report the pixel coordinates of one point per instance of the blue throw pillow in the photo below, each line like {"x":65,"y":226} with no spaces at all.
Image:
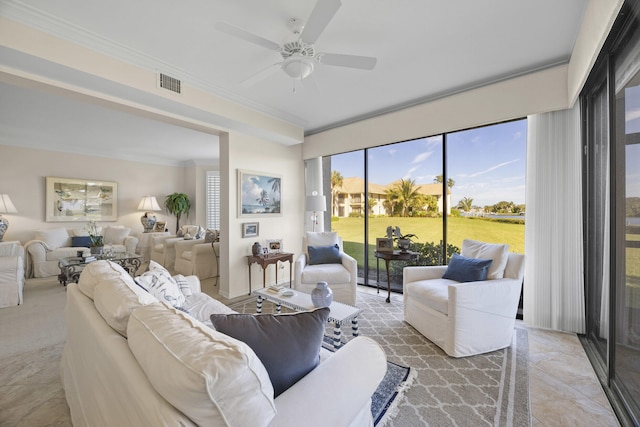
{"x":288,"y":345}
{"x":463,"y":269}
{"x":81,"y":241}
{"x":324,"y":254}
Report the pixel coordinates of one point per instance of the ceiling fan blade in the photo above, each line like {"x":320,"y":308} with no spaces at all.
{"x":321,"y":15}
{"x":261,"y":75}
{"x":246,"y":36}
{"x":351,"y":61}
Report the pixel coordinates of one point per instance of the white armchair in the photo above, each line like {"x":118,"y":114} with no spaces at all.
{"x":341,"y":277}
{"x":197,"y":258}
{"x":466,"y":318}
{"x":11,"y":273}
{"x":163,"y":250}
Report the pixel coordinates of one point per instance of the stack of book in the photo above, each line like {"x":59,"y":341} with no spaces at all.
{"x":88,"y":258}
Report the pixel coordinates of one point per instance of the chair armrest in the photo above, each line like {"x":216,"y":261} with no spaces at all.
{"x":131,"y":244}
{"x":161,"y":239}
{"x":298,"y":268}
{"x":351,"y":265}
{"x":10,"y":267}
{"x":497,"y":297}
{"x":200,"y":249}
{"x":413,"y":273}
{"x":185,"y":245}
{"x":11,"y":249}
{"x":350,"y":376}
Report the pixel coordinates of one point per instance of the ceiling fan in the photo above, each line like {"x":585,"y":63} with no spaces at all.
{"x":299,"y":55}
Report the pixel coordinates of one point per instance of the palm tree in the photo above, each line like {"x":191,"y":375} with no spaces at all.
{"x":336,"y":182}
{"x":405,"y":195}
{"x":465,"y":204}
{"x":450,"y":182}
{"x":275,"y":185}
{"x":264,"y":198}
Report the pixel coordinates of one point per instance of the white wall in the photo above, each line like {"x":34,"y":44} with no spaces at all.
{"x":238,"y":151}
{"x":23,"y":172}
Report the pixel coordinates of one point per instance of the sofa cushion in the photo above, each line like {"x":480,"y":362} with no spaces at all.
{"x":434,"y":293}
{"x":114,"y":299}
{"x":98,"y":271}
{"x":195,"y":367}
{"x":159,"y":282}
{"x":81,"y":241}
{"x":54,"y":238}
{"x":324,"y":254}
{"x":330,"y":273}
{"x":463,"y":269}
{"x":114,"y":235}
{"x":271,"y":335}
{"x":498,"y":253}
{"x":201,"y":306}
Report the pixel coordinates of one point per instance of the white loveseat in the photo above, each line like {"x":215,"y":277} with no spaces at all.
{"x":132,"y":361}
{"x":471,"y":317}
{"x":49,"y":246}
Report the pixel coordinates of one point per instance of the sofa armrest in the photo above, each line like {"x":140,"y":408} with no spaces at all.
{"x":413,"y":273}
{"x":350,"y":376}
{"x":298,"y":268}
{"x":37,"y":250}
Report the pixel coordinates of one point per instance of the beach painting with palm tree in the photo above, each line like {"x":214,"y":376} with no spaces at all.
{"x":259,"y":194}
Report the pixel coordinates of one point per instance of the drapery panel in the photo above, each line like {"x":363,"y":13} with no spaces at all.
{"x":554,"y":281}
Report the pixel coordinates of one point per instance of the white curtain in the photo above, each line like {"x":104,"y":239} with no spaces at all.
{"x":553,"y":280}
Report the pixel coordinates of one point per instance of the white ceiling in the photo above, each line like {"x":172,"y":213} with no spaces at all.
{"x":425,"y":49}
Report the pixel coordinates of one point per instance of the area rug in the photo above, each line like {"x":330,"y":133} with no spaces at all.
{"x":485,"y":390}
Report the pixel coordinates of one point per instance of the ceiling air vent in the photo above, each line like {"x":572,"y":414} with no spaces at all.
{"x":169,"y":83}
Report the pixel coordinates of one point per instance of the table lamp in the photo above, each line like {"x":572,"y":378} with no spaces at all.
{"x":6,"y":206}
{"x":148,"y":204}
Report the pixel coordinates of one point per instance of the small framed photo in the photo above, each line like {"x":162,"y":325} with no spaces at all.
{"x":265,"y":251}
{"x":384,"y":244}
{"x":250,"y":229}
{"x":274,"y":245}
{"x":159,"y":227}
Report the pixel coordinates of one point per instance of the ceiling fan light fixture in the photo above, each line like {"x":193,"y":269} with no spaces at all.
{"x":297,"y":67}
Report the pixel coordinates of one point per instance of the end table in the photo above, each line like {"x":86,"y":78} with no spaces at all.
{"x":265,"y":261}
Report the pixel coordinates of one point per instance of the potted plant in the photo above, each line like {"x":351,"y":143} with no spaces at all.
{"x":177,"y":204}
{"x":403,"y":240}
{"x":95,"y":237}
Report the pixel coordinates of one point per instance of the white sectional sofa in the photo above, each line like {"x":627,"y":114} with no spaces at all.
{"x":49,"y":246}
{"x":130,"y":360}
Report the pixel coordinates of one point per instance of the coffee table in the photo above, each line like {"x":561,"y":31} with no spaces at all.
{"x":301,"y":301}
{"x":71,"y":267}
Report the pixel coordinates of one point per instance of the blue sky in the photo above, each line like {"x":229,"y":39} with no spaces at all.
{"x":487,"y":164}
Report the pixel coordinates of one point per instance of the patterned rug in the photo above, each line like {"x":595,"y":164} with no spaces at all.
{"x":484,"y":390}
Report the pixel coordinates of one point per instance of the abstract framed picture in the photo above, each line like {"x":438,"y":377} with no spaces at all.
{"x":259,"y":194}
{"x":69,"y":200}
{"x":250,"y":229}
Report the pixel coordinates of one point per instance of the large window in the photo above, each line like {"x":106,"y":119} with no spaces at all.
{"x":442,"y":189}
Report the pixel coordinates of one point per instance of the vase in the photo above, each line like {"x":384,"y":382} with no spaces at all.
{"x":404,"y":244}
{"x":322,"y":296}
{"x":97,"y":250}
{"x":256,"y":249}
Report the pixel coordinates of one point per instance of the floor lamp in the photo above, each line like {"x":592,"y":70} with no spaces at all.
{"x":316,"y":203}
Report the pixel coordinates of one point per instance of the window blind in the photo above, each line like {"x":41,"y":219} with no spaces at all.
{"x":213,"y":200}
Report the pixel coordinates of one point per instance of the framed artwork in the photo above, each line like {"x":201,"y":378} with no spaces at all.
{"x":259,"y":194}
{"x":274,"y":245}
{"x":68,"y":200}
{"x":384,"y":244}
{"x":250,"y":229}
{"x":160,"y":226}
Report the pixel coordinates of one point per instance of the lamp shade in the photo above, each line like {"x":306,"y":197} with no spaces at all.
{"x":316,"y":203}
{"x":149,"y":203}
{"x":6,"y":205}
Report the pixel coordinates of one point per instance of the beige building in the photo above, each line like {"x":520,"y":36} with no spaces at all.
{"x":350,"y":196}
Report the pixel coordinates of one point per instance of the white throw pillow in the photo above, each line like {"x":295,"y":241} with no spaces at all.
{"x":115,"y":235}
{"x":320,"y":238}
{"x":194,"y":368}
{"x":183,"y":285}
{"x":54,"y":238}
{"x":499,"y":254}
{"x":115,"y":298}
{"x":159,"y":283}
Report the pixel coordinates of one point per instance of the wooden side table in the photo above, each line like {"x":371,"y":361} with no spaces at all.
{"x":388,"y":257}
{"x":265,"y":261}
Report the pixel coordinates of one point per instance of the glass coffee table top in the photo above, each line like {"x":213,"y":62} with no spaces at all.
{"x":71,"y":267}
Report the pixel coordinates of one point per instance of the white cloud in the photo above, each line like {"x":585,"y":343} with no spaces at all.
{"x":422,"y":157}
{"x":392,"y":151}
{"x":492,"y":168}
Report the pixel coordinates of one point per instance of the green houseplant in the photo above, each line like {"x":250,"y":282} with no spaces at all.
{"x":177,"y":204}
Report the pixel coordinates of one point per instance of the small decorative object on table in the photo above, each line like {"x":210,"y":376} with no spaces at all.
{"x":256,"y":249}
{"x":97,"y":244}
{"x":403,"y":241}
{"x":322,"y":296}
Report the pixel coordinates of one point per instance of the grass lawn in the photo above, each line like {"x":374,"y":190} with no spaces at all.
{"x":428,"y":230}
